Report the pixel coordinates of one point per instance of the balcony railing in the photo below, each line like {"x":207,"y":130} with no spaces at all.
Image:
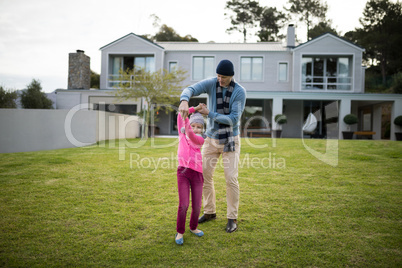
{"x":326,"y":83}
{"x":115,"y":79}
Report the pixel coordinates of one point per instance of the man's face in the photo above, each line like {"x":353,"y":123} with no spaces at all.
{"x":224,"y":80}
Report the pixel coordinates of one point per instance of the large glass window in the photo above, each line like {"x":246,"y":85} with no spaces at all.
{"x":203,"y":67}
{"x":251,"y":68}
{"x":128,"y":63}
{"x":327,"y":72}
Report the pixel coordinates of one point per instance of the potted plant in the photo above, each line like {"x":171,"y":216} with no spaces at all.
{"x":349,"y":119}
{"x":398,"y":122}
{"x":280,"y":119}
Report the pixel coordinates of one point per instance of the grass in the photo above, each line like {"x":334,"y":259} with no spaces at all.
{"x":101,"y":206}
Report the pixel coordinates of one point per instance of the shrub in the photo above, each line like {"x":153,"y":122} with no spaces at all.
{"x":398,"y":121}
{"x":281,"y":119}
{"x":350,"y":119}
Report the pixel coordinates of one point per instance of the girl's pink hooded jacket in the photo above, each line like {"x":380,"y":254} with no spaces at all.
{"x":189,"y":151}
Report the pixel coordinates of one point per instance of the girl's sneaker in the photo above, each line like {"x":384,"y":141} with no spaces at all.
{"x":178,"y":241}
{"x":197,"y":232}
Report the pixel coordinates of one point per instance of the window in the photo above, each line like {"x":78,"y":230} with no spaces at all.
{"x":327,"y":72}
{"x":147,"y":63}
{"x":251,"y":68}
{"x":172,"y":65}
{"x":116,"y":108}
{"x":283,"y":72}
{"x":203,"y":67}
{"x":128,"y":63}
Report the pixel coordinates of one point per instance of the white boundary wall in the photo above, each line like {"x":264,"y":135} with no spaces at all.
{"x":25,"y":130}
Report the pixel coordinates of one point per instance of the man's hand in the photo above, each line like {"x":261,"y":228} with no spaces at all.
{"x":183,"y":109}
{"x":204,"y":110}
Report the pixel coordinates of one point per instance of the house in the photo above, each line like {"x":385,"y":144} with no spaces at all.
{"x":323,"y":78}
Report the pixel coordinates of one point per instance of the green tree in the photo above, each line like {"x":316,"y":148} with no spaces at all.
{"x":381,"y":36}
{"x":95,"y":80}
{"x":167,"y":33}
{"x":271,"y":22}
{"x":307,"y":10}
{"x":7,"y":98}
{"x":321,"y":28}
{"x":397,"y":83}
{"x":34,"y":98}
{"x":246,"y":15}
{"x":159,"y":89}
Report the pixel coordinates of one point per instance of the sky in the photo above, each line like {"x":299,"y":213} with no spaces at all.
{"x":36,"y":36}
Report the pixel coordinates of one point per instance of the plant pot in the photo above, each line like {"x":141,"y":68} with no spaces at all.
{"x":398,"y":136}
{"x":277,"y":133}
{"x":347,"y":135}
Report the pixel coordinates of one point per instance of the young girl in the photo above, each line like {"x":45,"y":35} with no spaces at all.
{"x":189,"y":171}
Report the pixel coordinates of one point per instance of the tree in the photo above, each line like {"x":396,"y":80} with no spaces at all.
{"x":321,"y":28}
{"x":95,"y":80}
{"x":397,"y":83}
{"x":7,"y":98}
{"x":159,"y":89}
{"x":381,"y":35}
{"x":167,"y":33}
{"x":34,"y":98}
{"x":247,"y":12}
{"x":271,"y":22}
{"x":306,"y":10}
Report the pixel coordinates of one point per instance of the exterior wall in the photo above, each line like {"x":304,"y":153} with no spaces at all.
{"x":294,"y":111}
{"x":67,"y":99}
{"x":24,"y":130}
{"x":377,"y":115}
{"x":129,"y":45}
{"x":270,"y":67}
{"x":165,"y":123}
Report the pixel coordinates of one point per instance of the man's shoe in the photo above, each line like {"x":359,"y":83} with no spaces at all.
{"x":206,"y":217}
{"x":231,"y":226}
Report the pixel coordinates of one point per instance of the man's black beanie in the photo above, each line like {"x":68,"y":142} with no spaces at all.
{"x":225,"y":67}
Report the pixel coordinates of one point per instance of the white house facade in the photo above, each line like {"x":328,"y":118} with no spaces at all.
{"x":322,"y":78}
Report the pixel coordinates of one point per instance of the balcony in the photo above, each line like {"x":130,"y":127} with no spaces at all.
{"x":326,"y":83}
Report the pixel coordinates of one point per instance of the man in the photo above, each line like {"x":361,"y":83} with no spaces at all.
{"x":225,"y":106}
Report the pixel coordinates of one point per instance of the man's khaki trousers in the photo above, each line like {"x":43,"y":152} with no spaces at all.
{"x":211,"y":152}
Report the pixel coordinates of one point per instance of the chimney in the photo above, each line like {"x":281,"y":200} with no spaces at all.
{"x":79,"y":72}
{"x":291,"y":39}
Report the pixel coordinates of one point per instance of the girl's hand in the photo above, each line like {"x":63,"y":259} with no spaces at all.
{"x":199,"y":106}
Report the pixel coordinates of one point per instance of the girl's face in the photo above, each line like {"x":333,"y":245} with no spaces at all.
{"x":197,"y":128}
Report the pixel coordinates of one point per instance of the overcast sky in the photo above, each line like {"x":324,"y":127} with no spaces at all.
{"x":36,"y":36}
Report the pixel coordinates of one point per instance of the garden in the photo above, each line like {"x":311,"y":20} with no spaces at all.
{"x":105,"y":206}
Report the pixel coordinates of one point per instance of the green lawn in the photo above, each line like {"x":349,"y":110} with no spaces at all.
{"x":102,"y":206}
